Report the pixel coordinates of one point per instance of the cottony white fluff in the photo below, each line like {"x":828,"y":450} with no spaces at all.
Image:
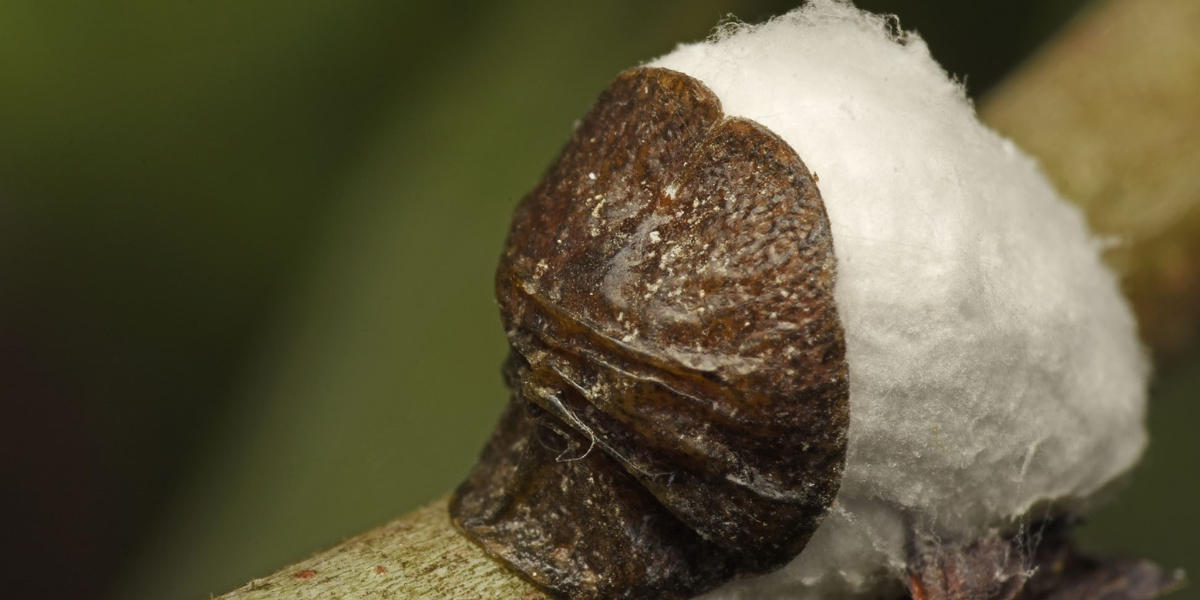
{"x":994,"y":365}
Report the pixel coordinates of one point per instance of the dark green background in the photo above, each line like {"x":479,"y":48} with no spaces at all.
{"x":245,"y":265}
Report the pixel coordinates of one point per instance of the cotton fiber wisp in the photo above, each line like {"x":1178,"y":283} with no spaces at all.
{"x":995,"y":370}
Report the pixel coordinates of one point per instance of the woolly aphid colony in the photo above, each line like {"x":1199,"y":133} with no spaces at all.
{"x":995,"y":374}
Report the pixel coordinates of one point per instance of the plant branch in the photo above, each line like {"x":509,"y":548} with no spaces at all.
{"x":1109,"y":108}
{"x":419,"y":555}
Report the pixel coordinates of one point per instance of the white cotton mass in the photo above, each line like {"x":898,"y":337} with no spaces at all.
{"x":994,"y":365}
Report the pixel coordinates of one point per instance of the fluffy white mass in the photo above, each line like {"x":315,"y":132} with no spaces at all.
{"x":994,"y":365}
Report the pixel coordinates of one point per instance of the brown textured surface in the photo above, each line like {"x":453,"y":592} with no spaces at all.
{"x":1038,"y":564}
{"x":992,"y":568}
{"x":679,"y":402}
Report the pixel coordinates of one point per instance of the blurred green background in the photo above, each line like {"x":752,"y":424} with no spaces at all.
{"x":246,"y":251}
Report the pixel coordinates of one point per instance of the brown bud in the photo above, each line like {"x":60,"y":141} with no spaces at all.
{"x":679,"y":390}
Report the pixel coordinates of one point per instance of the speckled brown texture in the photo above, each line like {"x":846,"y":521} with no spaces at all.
{"x":679,"y":385}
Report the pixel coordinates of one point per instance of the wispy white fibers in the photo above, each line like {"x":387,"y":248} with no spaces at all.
{"x":994,"y":365}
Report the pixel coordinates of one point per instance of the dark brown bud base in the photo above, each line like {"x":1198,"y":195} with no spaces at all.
{"x":1038,"y":563}
{"x":679,"y":393}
